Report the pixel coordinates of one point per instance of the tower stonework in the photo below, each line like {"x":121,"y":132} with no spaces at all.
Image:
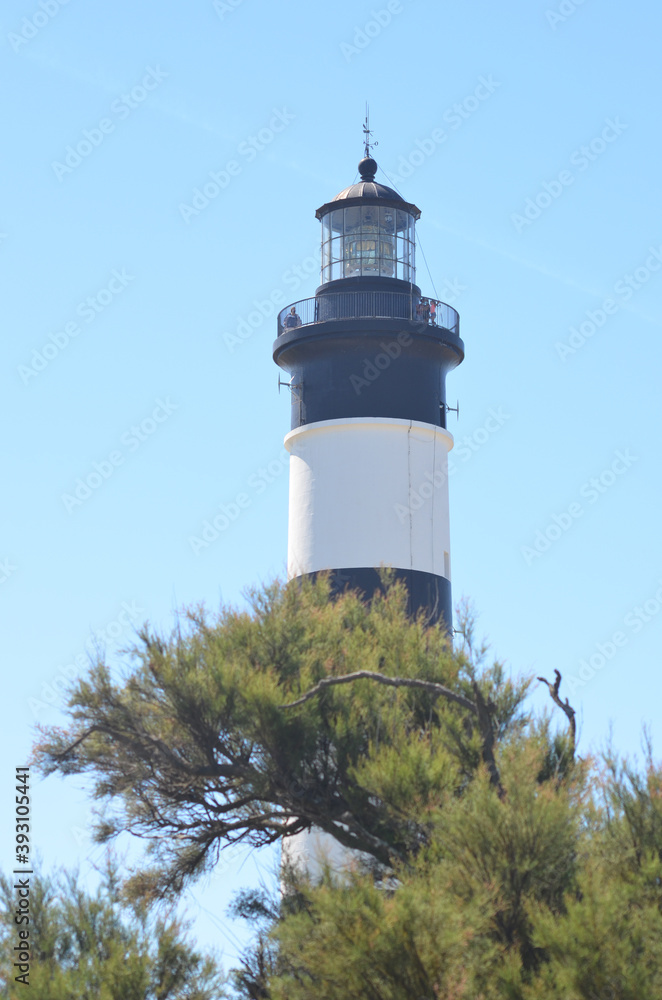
{"x":367,"y":358}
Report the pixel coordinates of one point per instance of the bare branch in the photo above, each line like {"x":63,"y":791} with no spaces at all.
{"x":564,"y":706}
{"x":478,"y":708}
{"x":431,"y":686}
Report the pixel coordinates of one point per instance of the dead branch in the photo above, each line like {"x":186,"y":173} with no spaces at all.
{"x":431,"y":686}
{"x":479,"y":708}
{"x":564,"y":706}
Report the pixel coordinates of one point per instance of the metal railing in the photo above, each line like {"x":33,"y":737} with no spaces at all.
{"x":368,"y":305}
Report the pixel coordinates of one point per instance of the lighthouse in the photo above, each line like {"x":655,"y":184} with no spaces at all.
{"x":366,"y":360}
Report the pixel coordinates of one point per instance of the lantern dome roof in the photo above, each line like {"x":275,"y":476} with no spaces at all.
{"x":368,"y":191}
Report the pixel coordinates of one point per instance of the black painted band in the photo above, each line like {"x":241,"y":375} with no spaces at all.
{"x":355,"y":368}
{"x":427,"y":591}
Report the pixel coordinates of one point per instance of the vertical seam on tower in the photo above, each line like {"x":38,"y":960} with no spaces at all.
{"x":409,"y":491}
{"x":432,"y":497}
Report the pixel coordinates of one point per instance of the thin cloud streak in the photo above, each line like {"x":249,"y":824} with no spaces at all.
{"x":541,"y":269}
{"x":115,"y":88}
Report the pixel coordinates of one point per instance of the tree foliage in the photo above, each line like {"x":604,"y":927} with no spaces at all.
{"x":88,"y":946}
{"x":500,"y":865}
{"x":550,"y":891}
{"x":197,"y":748}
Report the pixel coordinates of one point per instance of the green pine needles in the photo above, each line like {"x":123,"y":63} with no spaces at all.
{"x":495,"y":863}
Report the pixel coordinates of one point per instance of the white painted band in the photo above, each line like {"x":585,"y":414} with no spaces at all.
{"x":314,"y":850}
{"x":369,"y":492}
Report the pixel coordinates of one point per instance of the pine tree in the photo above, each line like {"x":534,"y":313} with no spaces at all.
{"x":493,"y":862}
{"x":93,"y":946}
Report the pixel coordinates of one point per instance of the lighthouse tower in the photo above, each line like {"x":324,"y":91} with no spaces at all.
{"x":366,"y":359}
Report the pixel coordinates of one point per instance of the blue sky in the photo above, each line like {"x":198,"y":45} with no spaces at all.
{"x":528,"y":135}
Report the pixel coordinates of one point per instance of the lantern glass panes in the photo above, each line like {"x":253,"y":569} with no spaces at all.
{"x":368,"y":240}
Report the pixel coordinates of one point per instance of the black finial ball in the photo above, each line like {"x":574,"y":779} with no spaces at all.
{"x":367,"y":168}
